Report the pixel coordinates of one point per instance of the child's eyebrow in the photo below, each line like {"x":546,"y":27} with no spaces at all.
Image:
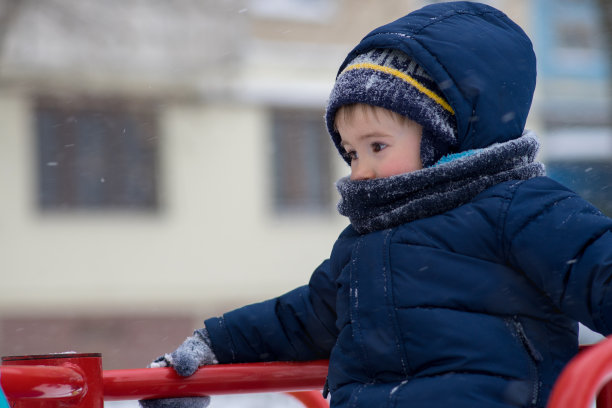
{"x":366,"y":136}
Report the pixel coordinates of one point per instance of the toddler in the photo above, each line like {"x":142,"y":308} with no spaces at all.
{"x":464,"y":271}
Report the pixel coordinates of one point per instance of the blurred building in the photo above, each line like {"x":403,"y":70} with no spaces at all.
{"x":573,"y":99}
{"x":161,"y":163}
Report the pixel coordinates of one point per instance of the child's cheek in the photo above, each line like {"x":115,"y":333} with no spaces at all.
{"x":395,"y":168}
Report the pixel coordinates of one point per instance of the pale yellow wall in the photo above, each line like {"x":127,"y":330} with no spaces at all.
{"x":16,"y":166}
{"x":215,"y":240}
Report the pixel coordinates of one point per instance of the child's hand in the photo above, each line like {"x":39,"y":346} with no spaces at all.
{"x":193,"y":353}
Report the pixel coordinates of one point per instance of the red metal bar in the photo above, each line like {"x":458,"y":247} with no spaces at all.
{"x":220,"y":379}
{"x":584,"y":378}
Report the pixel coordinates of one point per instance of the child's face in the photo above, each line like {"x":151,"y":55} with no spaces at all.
{"x":378,"y":144}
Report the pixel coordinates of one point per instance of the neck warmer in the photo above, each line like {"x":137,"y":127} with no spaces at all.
{"x":382,"y":203}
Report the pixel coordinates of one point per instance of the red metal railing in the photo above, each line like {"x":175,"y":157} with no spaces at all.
{"x":77,"y":380}
{"x":585,"y":379}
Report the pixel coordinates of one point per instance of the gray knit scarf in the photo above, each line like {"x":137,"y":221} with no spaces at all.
{"x":377,"y":204}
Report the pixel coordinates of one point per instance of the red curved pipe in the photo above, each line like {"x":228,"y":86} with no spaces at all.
{"x":584,"y":378}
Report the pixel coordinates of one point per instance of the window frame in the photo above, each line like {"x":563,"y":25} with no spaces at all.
{"x":294,"y":153}
{"x":120,"y":164}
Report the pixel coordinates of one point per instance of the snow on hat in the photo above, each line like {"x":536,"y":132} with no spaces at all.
{"x":389,"y":79}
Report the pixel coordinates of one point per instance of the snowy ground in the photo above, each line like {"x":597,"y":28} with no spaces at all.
{"x":232,"y":401}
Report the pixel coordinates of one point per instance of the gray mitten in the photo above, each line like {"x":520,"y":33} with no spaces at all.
{"x":194,"y":352}
{"x":186,"y":402}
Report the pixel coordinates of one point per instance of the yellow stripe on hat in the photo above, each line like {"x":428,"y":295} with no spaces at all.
{"x":405,"y":77}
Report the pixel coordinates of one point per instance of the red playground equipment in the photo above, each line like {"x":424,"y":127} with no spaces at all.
{"x":78,"y":381}
{"x":73,"y":380}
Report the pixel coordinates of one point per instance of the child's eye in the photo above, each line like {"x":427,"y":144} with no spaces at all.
{"x":350,"y":155}
{"x":377,"y":147}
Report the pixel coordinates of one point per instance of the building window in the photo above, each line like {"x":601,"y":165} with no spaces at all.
{"x":302,"y":161}
{"x":96,"y":155}
{"x":569,"y":39}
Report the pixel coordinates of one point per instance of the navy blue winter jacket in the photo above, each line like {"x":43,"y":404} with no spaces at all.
{"x":472,"y":307}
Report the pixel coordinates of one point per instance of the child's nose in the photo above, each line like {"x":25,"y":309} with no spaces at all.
{"x":362,"y":171}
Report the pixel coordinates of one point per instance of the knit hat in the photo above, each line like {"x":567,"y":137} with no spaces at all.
{"x":389,"y":79}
